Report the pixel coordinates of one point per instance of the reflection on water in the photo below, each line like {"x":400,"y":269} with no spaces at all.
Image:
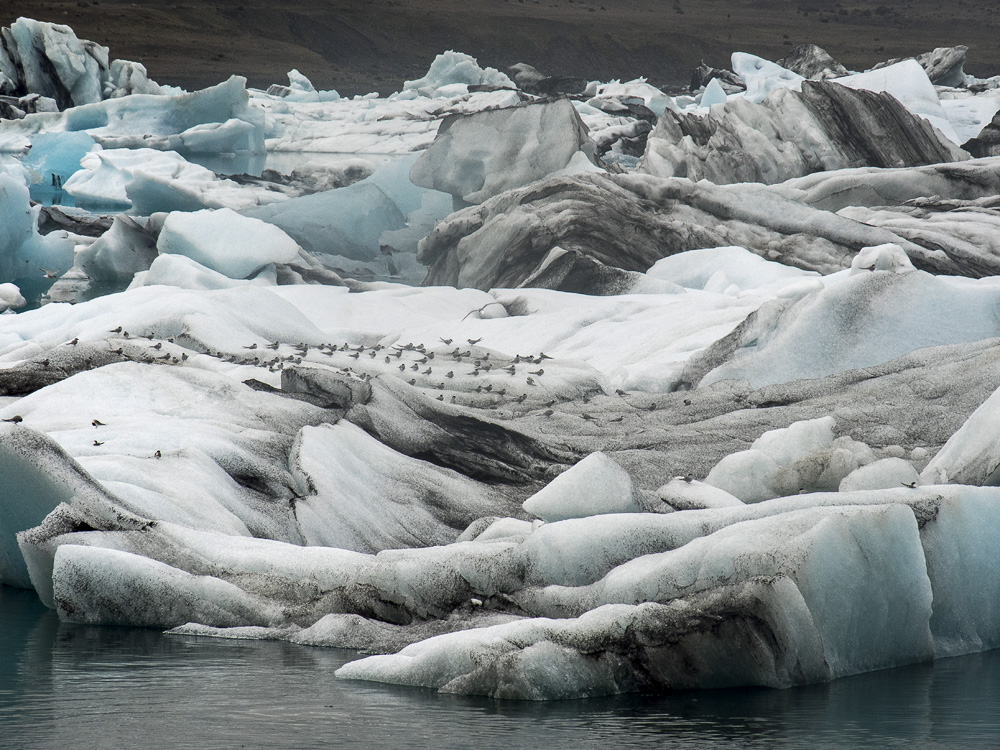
{"x":67,"y":686}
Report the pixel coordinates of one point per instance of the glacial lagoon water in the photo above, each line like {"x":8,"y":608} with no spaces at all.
{"x":64,"y":686}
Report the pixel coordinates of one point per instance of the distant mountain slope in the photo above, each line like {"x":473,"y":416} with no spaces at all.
{"x":361,"y":45}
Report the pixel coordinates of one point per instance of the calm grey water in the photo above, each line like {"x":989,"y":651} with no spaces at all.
{"x":67,"y":686}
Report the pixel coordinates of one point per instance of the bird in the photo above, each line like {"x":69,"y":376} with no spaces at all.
{"x":520,"y":399}
{"x":356,"y":355}
{"x":446,"y":342}
{"x":252,"y":346}
{"x":44,"y":362}
{"x":543,"y":355}
{"x":387,"y":360}
{"x":274,"y":345}
{"x":74,"y":342}
{"x":586,"y":416}
{"x":426,"y":372}
{"x":687,"y":402}
{"x":619,"y":418}
{"x":510,"y":369}
{"x":441,"y":397}
{"x":529,"y":381}
{"x":98,"y":442}
{"x":619,"y":391}
{"x":414,"y":367}
{"x":450,"y":374}
{"x":49,"y":274}
{"x":116,"y":330}
{"x":157,"y":455}
{"x":538,"y":372}
{"x":911,"y":485}
{"x":158,"y":345}
{"x":373,"y":354}
{"x":473,"y":342}
{"x":97,"y":423}
{"x":413,"y":381}
{"x":184,"y":357}
{"x":402,"y":368}
{"x":548,"y":413}
{"x":16,"y":419}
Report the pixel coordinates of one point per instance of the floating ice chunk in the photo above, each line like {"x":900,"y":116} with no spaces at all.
{"x":346,"y":221}
{"x":719,"y":268}
{"x":803,"y":456}
{"x":225,"y":241}
{"x":51,"y":61}
{"x":790,"y":574}
{"x":594,"y":486}
{"x":94,"y":585}
{"x":358,"y":494}
{"x":683,"y":494}
{"x":456,"y":68}
{"x":147,"y":181}
{"x":23,"y":251}
{"x":887,"y":257}
{"x":761,"y":76}
{"x":907,"y":81}
{"x":475,"y":157}
{"x":864,"y":320}
{"x":971,"y":455}
{"x":713,"y":94}
{"x":56,"y":156}
{"x":880,"y":475}
{"x":218,"y":119}
{"x":10,"y":297}
{"x":183,"y":272}
{"x":124,"y":250}
{"x":37,"y":476}
{"x":127,"y":78}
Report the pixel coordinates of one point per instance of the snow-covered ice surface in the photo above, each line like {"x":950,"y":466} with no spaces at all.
{"x":635,"y":430}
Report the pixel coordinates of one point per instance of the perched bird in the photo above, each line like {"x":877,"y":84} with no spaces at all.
{"x":414,"y":367}
{"x":538,"y":372}
{"x":520,"y":399}
{"x":413,"y":381}
{"x":116,"y":330}
{"x":402,"y":368}
{"x":97,"y":423}
{"x":252,"y":346}
{"x":98,"y":442}
{"x":548,"y":413}
{"x":356,"y":355}
{"x":426,"y":372}
{"x":441,"y":397}
{"x":529,"y":381}
{"x":158,"y":345}
{"x":619,"y":391}
{"x":587,"y":416}
{"x":157,"y":455}
{"x":274,"y":345}
{"x":49,"y":274}
{"x":16,"y":419}
{"x":911,"y":485}
{"x":473,"y":342}
{"x":446,"y":342}
{"x":74,"y":342}
{"x":450,"y":374}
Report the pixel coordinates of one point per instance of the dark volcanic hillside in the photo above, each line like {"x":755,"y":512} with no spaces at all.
{"x":362,"y":45}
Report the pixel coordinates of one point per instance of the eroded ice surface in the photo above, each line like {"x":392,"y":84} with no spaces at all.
{"x":635,"y":431}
